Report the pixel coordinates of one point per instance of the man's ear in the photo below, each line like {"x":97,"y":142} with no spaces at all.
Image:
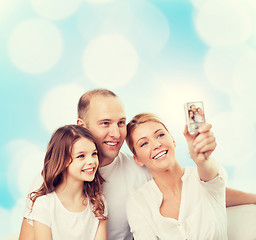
{"x":80,"y":122}
{"x":139,"y":163}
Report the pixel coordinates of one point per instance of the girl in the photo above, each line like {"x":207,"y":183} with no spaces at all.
{"x":69,"y":204}
{"x":178,"y":203}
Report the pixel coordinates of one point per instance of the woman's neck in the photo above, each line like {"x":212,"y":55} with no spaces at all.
{"x":169,"y":180}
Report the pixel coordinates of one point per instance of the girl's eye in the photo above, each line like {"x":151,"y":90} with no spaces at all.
{"x":143,"y":144}
{"x":95,"y":154}
{"x":80,"y":156}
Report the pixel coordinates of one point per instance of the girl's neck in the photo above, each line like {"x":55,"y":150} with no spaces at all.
{"x":71,"y":189}
{"x":72,"y":196}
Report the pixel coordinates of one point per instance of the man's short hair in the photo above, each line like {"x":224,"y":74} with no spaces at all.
{"x":84,"y":101}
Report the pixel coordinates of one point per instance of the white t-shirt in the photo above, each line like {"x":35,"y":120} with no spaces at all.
{"x":202,"y":213}
{"x":122,"y":177}
{"x":65,"y":225}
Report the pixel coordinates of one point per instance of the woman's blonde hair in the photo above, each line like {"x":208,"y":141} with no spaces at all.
{"x":135,"y":122}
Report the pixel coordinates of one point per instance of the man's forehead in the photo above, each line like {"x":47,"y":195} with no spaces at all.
{"x":106,"y":107}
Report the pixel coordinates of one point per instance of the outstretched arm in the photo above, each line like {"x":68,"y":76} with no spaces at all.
{"x":236,"y":197}
{"x":201,"y":147}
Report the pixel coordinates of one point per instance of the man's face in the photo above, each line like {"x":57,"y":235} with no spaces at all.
{"x":193,"y":108}
{"x":107,"y":122}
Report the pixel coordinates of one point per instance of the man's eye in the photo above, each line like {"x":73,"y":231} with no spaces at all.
{"x":105,"y":123}
{"x":121,"y":123}
{"x":143,"y":144}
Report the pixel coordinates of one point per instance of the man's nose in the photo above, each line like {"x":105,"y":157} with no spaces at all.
{"x":114,"y":131}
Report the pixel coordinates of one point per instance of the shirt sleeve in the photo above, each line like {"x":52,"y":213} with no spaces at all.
{"x":216,"y":187}
{"x":41,"y":211}
{"x":137,"y":220}
{"x":35,"y":185}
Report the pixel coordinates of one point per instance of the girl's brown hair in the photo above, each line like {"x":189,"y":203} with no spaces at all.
{"x":56,"y":160}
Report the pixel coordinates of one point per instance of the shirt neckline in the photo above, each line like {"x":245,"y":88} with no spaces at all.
{"x":74,"y":213}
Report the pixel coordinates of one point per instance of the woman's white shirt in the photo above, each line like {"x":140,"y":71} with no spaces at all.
{"x":202,"y":213}
{"x":65,"y":225}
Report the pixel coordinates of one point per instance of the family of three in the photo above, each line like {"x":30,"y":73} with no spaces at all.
{"x":90,"y":190}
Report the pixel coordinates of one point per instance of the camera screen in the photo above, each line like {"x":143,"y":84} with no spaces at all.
{"x":195,"y":112}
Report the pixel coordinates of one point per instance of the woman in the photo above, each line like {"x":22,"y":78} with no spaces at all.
{"x":178,"y":203}
{"x":200,"y":115}
{"x":69,"y":204}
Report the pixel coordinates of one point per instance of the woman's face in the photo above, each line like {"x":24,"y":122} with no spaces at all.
{"x":154,"y":146}
{"x":199,"y":110}
{"x":191,"y":114}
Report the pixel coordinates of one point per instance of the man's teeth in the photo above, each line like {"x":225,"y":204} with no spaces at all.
{"x":111,"y":143}
{"x":160,"y":154}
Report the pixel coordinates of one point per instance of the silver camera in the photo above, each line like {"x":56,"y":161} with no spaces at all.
{"x":195,"y":116}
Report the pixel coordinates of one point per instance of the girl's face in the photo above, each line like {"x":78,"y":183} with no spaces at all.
{"x":84,"y":161}
{"x":154,"y":146}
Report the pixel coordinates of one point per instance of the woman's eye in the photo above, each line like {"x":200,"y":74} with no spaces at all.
{"x":160,"y":135}
{"x":143,"y":144}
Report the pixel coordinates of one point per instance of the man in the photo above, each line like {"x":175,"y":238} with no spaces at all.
{"x":101,"y":111}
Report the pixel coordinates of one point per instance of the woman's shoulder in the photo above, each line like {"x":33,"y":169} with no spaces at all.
{"x":147,"y":191}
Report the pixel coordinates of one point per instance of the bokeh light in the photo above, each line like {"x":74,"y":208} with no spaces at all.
{"x":35,"y":46}
{"x":223,"y":22}
{"x":56,"y":9}
{"x":59,"y":106}
{"x":110,"y":61}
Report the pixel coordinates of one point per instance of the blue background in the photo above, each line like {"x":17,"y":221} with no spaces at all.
{"x":155,"y":55}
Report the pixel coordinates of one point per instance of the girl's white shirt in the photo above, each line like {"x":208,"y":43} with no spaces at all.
{"x":202,"y":213}
{"x":65,"y":225}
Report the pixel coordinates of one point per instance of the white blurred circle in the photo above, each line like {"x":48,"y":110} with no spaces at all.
{"x":150,"y":30}
{"x":59,"y":106}
{"x":234,"y":134}
{"x":35,"y":46}
{"x":244,"y":97}
{"x":223,"y":22}
{"x":110,"y":61}
{"x":99,"y":1}
{"x":168,"y":102}
{"x":220,"y":64}
{"x":26,"y":162}
{"x":55,"y":9}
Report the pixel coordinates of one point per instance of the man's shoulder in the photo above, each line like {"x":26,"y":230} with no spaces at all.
{"x":128,"y":162}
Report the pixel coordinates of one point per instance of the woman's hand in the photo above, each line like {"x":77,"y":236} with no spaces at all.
{"x":201,"y":145}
